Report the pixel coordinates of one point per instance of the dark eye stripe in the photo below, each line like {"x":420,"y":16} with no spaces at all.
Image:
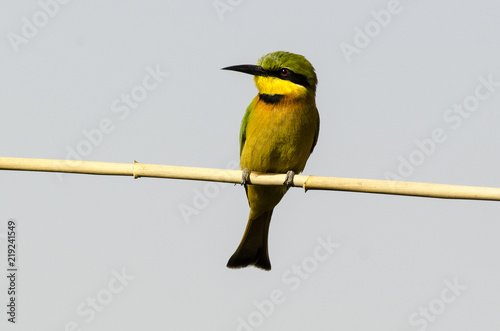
{"x":292,"y":76}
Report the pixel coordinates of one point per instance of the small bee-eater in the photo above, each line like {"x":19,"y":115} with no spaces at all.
{"x":278,"y":133}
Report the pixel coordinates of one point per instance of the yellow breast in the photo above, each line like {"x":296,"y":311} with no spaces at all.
{"x":279,"y":137}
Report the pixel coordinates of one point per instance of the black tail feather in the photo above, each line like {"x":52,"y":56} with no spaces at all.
{"x":253,"y":247}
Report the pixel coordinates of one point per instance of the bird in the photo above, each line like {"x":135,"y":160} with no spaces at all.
{"x":278,"y":132}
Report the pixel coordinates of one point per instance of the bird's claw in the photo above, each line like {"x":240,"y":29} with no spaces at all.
{"x":289,"y":178}
{"x":245,"y":177}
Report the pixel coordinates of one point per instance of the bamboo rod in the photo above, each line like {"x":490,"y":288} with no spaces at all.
{"x":234,"y":176}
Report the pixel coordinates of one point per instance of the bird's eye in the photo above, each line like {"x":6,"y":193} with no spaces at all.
{"x":284,"y":72}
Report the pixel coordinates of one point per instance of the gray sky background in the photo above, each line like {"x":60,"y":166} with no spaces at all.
{"x":407,"y":89}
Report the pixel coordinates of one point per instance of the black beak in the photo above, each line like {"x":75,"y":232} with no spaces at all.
{"x":248,"y":69}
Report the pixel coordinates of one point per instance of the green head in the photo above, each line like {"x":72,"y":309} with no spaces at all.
{"x":281,"y":73}
{"x":297,"y":64}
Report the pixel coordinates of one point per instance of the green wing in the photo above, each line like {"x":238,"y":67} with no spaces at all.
{"x":315,"y":140}
{"x":244,"y":122}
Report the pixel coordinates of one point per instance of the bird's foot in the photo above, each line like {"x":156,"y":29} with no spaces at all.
{"x":245,"y":177}
{"x":289,"y":178}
